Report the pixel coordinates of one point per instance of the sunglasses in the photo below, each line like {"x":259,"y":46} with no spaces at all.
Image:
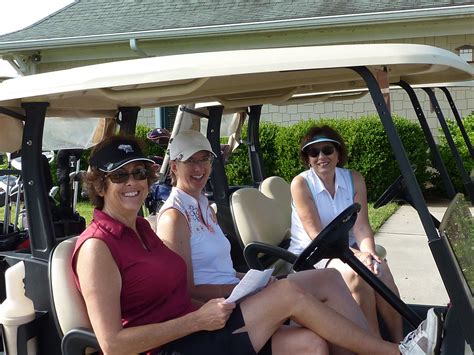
{"x":120,"y":177}
{"x":326,"y":150}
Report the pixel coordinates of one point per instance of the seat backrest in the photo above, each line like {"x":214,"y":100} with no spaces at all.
{"x":67,"y":303}
{"x":258,"y":217}
{"x":278,"y":189}
{"x":152,"y":220}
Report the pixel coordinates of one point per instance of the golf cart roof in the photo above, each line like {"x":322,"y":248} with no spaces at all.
{"x":358,"y":93}
{"x":233,"y":78}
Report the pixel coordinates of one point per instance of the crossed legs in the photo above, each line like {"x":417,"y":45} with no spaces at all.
{"x":266,"y":311}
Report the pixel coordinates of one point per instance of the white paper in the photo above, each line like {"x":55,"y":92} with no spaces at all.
{"x":253,"y":281}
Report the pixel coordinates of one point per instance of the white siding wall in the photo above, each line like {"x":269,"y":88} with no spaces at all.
{"x":400,"y":105}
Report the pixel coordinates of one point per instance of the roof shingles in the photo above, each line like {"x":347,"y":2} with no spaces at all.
{"x":101,"y":17}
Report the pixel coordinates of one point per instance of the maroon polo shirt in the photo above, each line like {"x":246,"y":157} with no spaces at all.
{"x":154,"y":287}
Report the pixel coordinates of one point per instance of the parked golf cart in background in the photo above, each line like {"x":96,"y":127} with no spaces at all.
{"x":240,"y":81}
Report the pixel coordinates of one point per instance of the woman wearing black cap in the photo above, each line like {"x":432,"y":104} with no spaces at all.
{"x":136,"y":293}
{"x":321,"y":193}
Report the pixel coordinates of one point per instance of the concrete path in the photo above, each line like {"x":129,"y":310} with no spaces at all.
{"x":410,"y":258}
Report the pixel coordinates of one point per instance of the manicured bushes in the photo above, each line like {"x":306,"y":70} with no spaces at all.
{"x":149,"y":148}
{"x":447,"y":156}
{"x":369,"y":151}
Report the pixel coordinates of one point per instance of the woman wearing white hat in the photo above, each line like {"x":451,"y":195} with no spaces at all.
{"x":321,"y":193}
{"x":188,"y":225}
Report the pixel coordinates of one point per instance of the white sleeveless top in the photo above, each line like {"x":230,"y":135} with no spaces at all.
{"x":328,"y":207}
{"x":210,"y":249}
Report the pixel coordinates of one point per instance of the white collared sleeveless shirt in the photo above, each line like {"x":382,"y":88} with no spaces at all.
{"x":210,"y":249}
{"x":328,"y":207}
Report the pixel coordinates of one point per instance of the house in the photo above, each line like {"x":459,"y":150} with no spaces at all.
{"x":94,"y":31}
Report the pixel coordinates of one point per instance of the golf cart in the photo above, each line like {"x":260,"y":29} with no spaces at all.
{"x":238,"y":81}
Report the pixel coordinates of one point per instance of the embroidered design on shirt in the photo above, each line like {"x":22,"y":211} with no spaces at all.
{"x":194,"y":213}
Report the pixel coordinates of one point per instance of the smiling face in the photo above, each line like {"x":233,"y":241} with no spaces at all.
{"x":192,"y":174}
{"x":323,"y":164}
{"x":125,"y":197}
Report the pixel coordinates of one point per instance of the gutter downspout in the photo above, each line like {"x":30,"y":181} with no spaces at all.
{"x":134,"y":47}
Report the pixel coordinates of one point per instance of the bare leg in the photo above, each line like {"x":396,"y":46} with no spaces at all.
{"x":298,"y":341}
{"x":265,"y":311}
{"x":392,"y":318}
{"x":362,"y":293}
{"x":328,"y":286}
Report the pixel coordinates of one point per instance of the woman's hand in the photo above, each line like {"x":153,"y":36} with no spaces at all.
{"x":370,"y":260}
{"x":214,"y":314}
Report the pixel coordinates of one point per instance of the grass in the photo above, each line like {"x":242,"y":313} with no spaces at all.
{"x":377,"y":217}
{"x":85,"y":209}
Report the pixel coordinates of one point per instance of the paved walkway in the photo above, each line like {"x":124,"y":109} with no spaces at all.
{"x":410,"y":258}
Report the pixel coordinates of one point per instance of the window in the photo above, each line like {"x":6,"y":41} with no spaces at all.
{"x":466,"y":53}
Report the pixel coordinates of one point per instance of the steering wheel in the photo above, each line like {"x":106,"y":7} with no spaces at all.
{"x":331,"y":242}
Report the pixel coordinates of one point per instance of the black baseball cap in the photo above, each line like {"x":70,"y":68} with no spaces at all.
{"x":117,"y":153}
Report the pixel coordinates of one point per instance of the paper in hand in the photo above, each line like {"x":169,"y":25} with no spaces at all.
{"x":252,"y":282}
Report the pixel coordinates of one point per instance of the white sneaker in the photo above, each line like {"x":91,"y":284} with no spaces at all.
{"x":426,"y":339}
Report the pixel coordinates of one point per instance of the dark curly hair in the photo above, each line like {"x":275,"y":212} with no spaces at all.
{"x":94,"y":181}
{"x":327,"y":132}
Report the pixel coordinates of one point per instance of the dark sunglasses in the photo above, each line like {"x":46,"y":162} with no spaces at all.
{"x":120,"y":177}
{"x":326,"y":150}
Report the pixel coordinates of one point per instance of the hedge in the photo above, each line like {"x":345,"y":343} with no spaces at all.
{"x":447,"y":156}
{"x":368,"y":147}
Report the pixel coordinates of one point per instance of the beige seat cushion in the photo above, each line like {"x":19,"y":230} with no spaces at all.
{"x":69,"y":305}
{"x":278,"y":189}
{"x":258,"y":218}
{"x":152,"y":220}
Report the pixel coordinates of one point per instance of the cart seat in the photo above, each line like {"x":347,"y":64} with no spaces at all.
{"x":68,"y":307}
{"x":278,"y":189}
{"x":260,"y":218}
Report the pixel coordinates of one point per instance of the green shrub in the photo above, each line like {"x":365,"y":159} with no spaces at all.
{"x":369,"y":151}
{"x":149,"y":148}
{"x":238,"y":167}
{"x":461,"y":146}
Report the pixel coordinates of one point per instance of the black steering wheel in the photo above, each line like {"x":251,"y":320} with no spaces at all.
{"x":331,"y":241}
